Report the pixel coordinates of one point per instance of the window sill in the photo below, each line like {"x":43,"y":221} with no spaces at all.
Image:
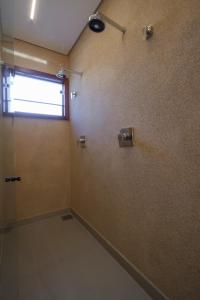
{"x":34,"y":116}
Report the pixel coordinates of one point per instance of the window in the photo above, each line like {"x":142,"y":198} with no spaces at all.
{"x":31,"y":93}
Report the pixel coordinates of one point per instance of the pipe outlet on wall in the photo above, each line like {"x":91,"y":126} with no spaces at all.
{"x":82,"y":141}
{"x":126,"y":137}
{"x":147,"y":32}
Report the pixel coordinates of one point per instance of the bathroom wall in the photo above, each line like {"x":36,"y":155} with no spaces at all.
{"x":145,"y":199}
{"x":43,"y":162}
{"x":1,"y":161}
{"x":41,"y":147}
{"x":1,"y":154}
{"x":53,"y":60}
{"x":1,"y":191}
{"x":8,"y":155}
{"x":1,"y":172}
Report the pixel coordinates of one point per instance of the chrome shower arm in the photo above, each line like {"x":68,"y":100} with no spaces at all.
{"x":111,"y":22}
{"x":64,"y":73}
{"x":73,"y":72}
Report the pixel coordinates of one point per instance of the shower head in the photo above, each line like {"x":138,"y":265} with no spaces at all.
{"x":65,"y":73}
{"x":97,"y":23}
{"x":61,"y":74}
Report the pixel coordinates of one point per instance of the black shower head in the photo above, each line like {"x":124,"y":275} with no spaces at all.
{"x":96,"y":23}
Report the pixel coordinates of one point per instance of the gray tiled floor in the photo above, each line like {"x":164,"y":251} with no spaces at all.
{"x":56,"y":260}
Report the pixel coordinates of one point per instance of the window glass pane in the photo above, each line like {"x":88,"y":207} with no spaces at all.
{"x":32,"y":95}
{"x":37,"y":108}
{"x":25,"y":94}
{"x":37,"y":90}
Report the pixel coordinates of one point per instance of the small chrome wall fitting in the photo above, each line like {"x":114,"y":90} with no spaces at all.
{"x":82,"y":141}
{"x":126,"y":137}
{"x":74,"y":95}
{"x":148,"y":32}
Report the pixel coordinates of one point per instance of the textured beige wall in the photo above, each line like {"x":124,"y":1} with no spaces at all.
{"x":8,"y":155}
{"x":145,"y":200}
{"x":43,"y":162}
{"x":8,"y":169}
{"x":1,"y":142}
{"x":1,"y":182}
{"x":41,"y":149}
{"x":1,"y":160}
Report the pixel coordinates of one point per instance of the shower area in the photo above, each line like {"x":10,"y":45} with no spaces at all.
{"x":53,"y":256}
{"x":99,"y":185}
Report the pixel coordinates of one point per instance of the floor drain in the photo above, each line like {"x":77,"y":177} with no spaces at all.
{"x":67,"y":217}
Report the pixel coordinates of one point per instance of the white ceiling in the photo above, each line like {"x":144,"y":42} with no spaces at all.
{"x":57,"y":26}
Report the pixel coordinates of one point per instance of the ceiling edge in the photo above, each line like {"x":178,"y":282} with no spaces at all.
{"x":45,"y":48}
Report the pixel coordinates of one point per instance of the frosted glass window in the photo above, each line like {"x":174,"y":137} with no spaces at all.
{"x":32,"y":94}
